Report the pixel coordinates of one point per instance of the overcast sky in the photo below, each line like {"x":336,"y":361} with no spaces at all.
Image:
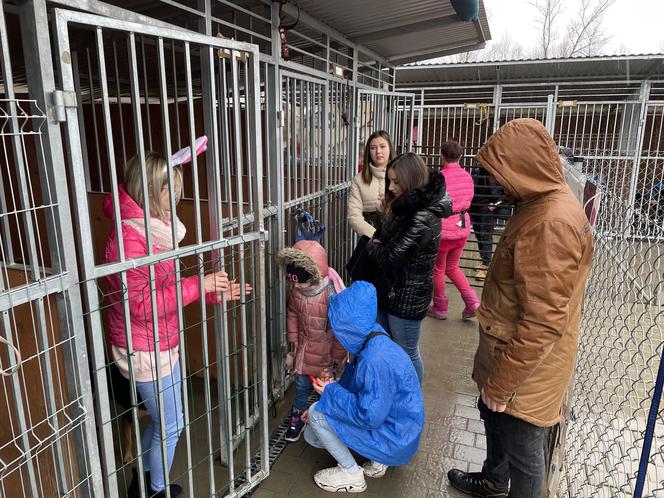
{"x":636,"y":26}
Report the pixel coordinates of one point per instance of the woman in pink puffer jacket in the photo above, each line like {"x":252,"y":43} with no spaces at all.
{"x":137,"y":295}
{"x":454,"y":234}
{"x":314,"y":344}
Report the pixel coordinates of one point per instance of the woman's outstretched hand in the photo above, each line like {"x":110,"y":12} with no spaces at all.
{"x":236,"y":291}
{"x":216,"y":282}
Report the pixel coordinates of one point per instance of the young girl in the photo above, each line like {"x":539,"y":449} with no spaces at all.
{"x":137,"y":293}
{"x":405,"y":249}
{"x":454,"y":235}
{"x":368,"y":186}
{"x":309,"y":332}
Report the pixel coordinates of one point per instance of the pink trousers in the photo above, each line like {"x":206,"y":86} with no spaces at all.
{"x":447,"y":263}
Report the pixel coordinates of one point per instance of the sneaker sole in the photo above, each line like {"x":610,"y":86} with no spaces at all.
{"x":345,"y":488}
{"x":294,"y":439}
{"x":375,"y":475}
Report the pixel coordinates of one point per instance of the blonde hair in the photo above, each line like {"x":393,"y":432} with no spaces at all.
{"x":156,"y":173}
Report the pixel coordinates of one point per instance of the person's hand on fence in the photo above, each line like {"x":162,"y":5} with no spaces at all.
{"x":236,"y":291}
{"x":216,"y":282}
{"x":492,"y":404}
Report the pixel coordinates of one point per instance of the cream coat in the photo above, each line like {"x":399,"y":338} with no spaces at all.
{"x":365,"y":198}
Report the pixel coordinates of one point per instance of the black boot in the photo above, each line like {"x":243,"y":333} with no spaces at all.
{"x":134,"y":489}
{"x":474,"y":484}
{"x":176,"y":491}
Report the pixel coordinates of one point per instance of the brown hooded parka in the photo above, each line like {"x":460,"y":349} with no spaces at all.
{"x":533,"y":292}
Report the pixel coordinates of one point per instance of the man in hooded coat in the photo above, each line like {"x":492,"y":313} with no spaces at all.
{"x":530,"y":312}
{"x":376,"y":408}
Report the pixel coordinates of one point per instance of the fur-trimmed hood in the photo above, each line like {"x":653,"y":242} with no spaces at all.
{"x":308,"y":255}
{"x":432,"y":196}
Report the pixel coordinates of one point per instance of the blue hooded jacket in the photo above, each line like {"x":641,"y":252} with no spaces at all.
{"x":376,"y":408}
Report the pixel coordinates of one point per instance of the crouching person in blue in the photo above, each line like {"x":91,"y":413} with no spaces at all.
{"x":375,"y":409}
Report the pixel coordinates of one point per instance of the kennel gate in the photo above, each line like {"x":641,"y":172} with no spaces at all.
{"x":229,"y":97}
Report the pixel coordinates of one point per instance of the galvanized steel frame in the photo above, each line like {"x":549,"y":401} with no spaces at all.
{"x":229,"y":439}
{"x":266,"y":76}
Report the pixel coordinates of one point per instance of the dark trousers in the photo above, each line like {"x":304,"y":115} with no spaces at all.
{"x":483,"y":225}
{"x":514,"y":453}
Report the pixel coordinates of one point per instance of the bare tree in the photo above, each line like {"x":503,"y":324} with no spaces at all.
{"x":504,"y":48}
{"x":548,"y":14}
{"x":560,"y":34}
{"x":584,"y":34}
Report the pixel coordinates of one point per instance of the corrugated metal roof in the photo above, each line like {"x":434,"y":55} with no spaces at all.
{"x":402,"y":30}
{"x":523,"y":71}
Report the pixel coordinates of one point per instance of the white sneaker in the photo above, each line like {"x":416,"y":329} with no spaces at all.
{"x":374,"y":469}
{"x":336,"y":479}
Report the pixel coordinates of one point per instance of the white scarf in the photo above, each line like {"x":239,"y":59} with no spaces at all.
{"x":162,"y":236}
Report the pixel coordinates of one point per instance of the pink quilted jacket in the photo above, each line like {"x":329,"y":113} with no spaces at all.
{"x":308,"y":326}
{"x":138,"y":287}
{"x":460,"y":188}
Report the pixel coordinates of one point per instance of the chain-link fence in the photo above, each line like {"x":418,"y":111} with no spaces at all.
{"x":618,"y":142}
{"x":622,"y":333}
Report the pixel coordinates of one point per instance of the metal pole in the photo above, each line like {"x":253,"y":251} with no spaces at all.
{"x":41,"y":82}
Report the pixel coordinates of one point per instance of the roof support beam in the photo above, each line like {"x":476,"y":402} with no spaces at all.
{"x":402,"y":29}
{"x":442,"y":51}
{"x":314,"y":23}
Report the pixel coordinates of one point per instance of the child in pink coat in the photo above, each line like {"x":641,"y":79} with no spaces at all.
{"x":137,"y":294}
{"x":454,"y":234}
{"x":316,"y":349}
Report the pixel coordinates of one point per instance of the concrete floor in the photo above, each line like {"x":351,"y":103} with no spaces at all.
{"x":453,"y":435}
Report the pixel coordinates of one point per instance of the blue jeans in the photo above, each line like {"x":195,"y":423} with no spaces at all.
{"x":302,"y":392}
{"x":406,"y":333}
{"x":319,"y":434}
{"x":151,"y":440}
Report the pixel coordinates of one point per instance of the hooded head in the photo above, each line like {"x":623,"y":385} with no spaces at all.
{"x":524,"y":159}
{"x":308,"y":256}
{"x":352,"y":315}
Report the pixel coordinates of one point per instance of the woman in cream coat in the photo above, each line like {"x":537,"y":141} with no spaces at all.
{"x":368,"y":186}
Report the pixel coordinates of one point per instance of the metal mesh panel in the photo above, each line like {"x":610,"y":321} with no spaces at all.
{"x":619,"y":352}
{"x":622,"y":336}
{"x":47,"y":425}
{"x":619,"y":145}
{"x":155,"y":89}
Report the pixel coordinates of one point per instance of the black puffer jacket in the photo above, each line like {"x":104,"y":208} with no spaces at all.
{"x":407,"y":252}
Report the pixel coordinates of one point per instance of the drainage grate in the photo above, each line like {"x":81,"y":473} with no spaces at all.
{"x":277,"y":445}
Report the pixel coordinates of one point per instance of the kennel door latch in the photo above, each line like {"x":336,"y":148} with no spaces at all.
{"x":62,"y":100}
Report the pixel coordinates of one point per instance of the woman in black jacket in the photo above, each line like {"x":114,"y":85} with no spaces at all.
{"x":405,"y":249}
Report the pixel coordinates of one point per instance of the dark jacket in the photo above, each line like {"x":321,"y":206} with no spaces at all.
{"x":485,"y":192}
{"x":407,"y":251}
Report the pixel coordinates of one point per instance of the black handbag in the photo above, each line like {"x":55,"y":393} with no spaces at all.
{"x":360,"y":266}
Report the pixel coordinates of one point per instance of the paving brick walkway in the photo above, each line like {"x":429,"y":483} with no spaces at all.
{"x":453,"y":436}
